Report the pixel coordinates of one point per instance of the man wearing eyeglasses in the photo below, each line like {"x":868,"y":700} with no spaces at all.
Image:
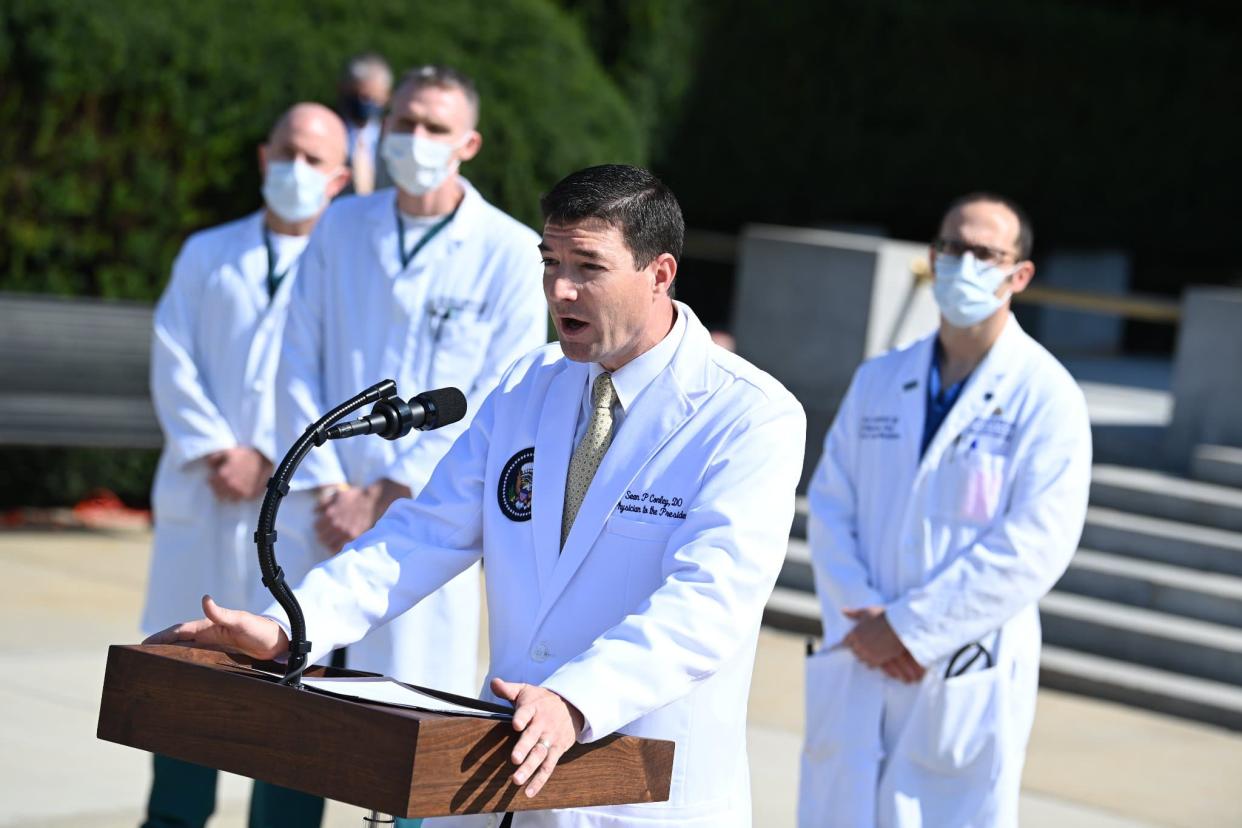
{"x":950,"y":497}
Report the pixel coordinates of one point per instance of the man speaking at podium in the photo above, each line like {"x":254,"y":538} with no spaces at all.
{"x":631,"y":500}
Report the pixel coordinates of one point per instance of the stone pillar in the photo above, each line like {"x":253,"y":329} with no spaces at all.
{"x":810,"y":305}
{"x":1207,"y":373}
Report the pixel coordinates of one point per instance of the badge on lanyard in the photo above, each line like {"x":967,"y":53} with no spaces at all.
{"x":514,"y":490}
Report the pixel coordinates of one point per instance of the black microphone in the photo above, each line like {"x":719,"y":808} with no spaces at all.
{"x":393,"y":417}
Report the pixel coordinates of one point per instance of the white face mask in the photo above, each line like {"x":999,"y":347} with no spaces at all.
{"x":294,"y":190}
{"x":965,"y":289}
{"x":419,"y":165}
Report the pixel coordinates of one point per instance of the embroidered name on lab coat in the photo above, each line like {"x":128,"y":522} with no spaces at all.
{"x":879,"y":427}
{"x":651,"y":503}
{"x":516,"y":486}
{"x":991,"y":434}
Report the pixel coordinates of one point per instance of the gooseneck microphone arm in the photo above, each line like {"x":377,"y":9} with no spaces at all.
{"x":265,"y":534}
{"x":391,"y":418}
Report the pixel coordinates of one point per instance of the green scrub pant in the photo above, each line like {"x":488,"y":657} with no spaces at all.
{"x":275,"y":807}
{"x":183,"y":795}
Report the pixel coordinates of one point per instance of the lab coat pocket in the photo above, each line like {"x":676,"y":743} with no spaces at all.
{"x":841,"y":754}
{"x":968,"y":487}
{"x":955,"y":727}
{"x":643,"y":546}
{"x":830,"y":724}
{"x":637,"y":530}
{"x":458,"y":349}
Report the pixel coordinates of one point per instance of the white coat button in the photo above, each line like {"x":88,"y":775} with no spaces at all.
{"x":540,"y":653}
{"x":258,"y":385}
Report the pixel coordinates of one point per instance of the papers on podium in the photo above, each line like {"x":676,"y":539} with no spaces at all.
{"x":383,"y":690}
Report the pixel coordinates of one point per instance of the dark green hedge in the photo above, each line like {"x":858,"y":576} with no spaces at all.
{"x":40,"y":476}
{"x":130,"y":123}
{"x":650,"y":48}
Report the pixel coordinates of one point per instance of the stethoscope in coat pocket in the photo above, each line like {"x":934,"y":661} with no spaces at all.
{"x":967,"y":658}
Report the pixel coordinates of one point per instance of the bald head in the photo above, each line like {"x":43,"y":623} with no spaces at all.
{"x":310,"y":126}
{"x":314,"y":135}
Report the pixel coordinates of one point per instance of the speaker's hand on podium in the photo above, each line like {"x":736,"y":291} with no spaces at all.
{"x":228,"y":629}
{"x":549,"y":726}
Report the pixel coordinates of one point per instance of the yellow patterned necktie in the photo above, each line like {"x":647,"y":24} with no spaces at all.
{"x":590,"y":452}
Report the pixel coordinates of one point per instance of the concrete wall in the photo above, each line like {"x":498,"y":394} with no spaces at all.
{"x":810,"y":305}
{"x":1207,"y":373}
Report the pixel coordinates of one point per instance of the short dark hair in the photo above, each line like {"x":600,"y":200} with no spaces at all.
{"x":443,"y":77}
{"x":628,"y":198}
{"x":1026,"y":231}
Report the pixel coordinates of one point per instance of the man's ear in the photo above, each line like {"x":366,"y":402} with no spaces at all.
{"x":1022,"y":276}
{"x":472,"y":146}
{"x":339,"y":181}
{"x":262,"y":154}
{"x":664,"y":271}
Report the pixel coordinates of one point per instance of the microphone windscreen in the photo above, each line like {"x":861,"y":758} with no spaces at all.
{"x":449,"y":403}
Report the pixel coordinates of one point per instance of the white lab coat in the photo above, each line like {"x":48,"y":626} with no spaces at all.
{"x":646,"y":621}
{"x":958,"y":548}
{"x":469,"y":304}
{"x":213,"y":365}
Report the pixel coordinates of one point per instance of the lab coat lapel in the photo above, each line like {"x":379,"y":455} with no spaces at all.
{"x":250,"y":253}
{"x":553,"y":445}
{"x":463,"y":225}
{"x":253,"y":263}
{"x":382,"y":218}
{"x":656,"y":415}
{"x":910,"y":382}
{"x":981,"y":391}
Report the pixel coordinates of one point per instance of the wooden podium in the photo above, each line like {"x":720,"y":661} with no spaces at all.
{"x":223,"y":711}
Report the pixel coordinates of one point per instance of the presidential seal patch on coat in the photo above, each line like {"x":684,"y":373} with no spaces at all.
{"x":516,"y":484}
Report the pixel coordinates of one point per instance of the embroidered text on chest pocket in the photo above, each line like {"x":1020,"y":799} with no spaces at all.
{"x":968,"y":487}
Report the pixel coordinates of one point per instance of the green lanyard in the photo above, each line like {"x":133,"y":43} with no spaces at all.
{"x":273,"y":278}
{"x":428,"y":236}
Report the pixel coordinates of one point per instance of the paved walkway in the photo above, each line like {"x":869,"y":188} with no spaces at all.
{"x":64,"y":596}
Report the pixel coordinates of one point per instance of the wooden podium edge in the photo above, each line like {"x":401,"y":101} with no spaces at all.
{"x":218,"y":710}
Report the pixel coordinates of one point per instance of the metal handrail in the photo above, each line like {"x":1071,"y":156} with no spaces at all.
{"x":722,"y":248}
{"x":1140,"y":306}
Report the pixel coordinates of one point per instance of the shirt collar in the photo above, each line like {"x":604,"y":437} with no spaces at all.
{"x":631,"y":379}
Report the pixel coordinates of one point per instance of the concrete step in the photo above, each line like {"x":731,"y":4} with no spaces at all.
{"x":1217,"y":464}
{"x":1166,"y":496}
{"x":801,"y":510}
{"x":793,"y":610}
{"x":1165,"y":616}
{"x":797,"y":572}
{"x":1145,"y":687}
{"x":1142,"y":636}
{"x":1090,"y":674}
{"x":1171,"y":589}
{"x":1164,"y":541}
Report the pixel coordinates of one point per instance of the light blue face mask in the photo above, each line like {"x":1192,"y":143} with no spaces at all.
{"x":294,"y":190}
{"x":965,"y":289}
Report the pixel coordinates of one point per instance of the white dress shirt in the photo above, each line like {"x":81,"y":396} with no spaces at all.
{"x":631,"y":379}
